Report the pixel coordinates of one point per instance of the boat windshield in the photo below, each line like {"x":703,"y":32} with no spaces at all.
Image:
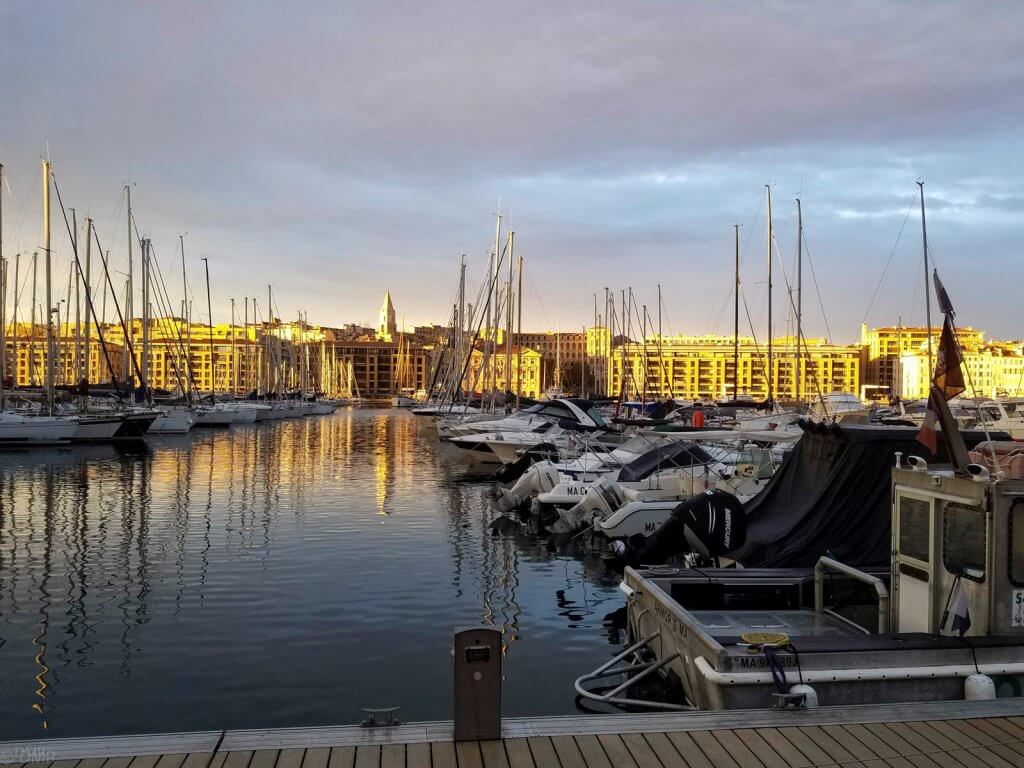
{"x":596,"y":416}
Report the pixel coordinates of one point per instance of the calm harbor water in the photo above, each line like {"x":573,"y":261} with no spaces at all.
{"x":279,"y":574}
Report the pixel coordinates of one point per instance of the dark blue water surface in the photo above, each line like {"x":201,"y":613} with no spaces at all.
{"x":280,"y":574}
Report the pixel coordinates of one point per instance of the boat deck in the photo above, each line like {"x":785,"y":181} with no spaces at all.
{"x":953,"y":734}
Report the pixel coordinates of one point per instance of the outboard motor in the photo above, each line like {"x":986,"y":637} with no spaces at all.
{"x":538,"y":453}
{"x":540,"y":478}
{"x":602,"y":498}
{"x":710,"y":524}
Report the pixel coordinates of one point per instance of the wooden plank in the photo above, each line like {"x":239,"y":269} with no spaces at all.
{"x":235,"y":759}
{"x":290,"y":758}
{"x":616,"y":751}
{"x":170,"y":761}
{"x":342,"y":757}
{"x":417,"y":756}
{"x":849,"y":742}
{"x":142,"y":761}
{"x":996,"y":756}
{"x":392,"y":756}
{"x":218,"y":760}
{"x":468,"y":754}
{"x":493,"y":753}
{"x":921,"y":744}
{"x":519,"y":755}
{"x":97,"y":762}
{"x":715,"y":752}
{"x":784,"y":747}
{"x":592,"y":751}
{"x":667,"y":754}
{"x":689,"y":750}
{"x":756,"y":744}
{"x":829,"y":744}
{"x":737,"y":750}
{"x":318,"y":757}
{"x":368,"y":756}
{"x":543,"y":751}
{"x":263,"y":758}
{"x":443,"y":754}
{"x":194,"y":760}
{"x":811,"y":751}
{"x":640,"y":750}
{"x":568,"y":753}
{"x":997,"y":734}
{"x":879,"y":746}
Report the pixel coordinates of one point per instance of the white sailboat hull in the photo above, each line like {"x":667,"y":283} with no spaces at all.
{"x":16,"y":429}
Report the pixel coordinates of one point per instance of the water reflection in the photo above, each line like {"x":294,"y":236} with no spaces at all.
{"x":273,"y":575}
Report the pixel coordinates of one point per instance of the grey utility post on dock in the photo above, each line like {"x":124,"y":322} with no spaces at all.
{"x":477,"y":684}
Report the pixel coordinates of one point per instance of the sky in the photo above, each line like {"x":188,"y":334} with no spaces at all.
{"x":338,"y":150}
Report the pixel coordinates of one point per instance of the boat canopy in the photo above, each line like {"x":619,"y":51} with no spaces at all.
{"x":831,"y":497}
{"x":674,"y":454}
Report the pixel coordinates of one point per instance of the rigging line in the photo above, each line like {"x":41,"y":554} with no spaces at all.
{"x":817,"y":288}
{"x":16,"y":236}
{"x":743,"y":253}
{"x":888,"y":261}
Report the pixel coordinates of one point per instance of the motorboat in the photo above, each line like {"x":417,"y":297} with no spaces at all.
{"x":923,"y":603}
{"x":566,"y":412}
{"x":945,"y":620}
{"x":24,"y":429}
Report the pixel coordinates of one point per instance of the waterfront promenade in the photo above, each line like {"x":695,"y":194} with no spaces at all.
{"x":954,"y":734}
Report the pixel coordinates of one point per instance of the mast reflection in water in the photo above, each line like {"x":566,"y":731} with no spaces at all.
{"x":278,"y":574}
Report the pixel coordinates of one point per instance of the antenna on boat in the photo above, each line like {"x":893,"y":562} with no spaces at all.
{"x":769,"y":372}
{"x":927,"y":285}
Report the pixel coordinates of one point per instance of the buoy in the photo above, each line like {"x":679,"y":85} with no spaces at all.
{"x":979,"y":688}
{"x":698,"y":419}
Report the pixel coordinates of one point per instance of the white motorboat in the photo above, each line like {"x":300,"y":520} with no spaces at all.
{"x":942,"y":621}
{"x":321,"y":407}
{"x":567,"y":411}
{"x":23,"y":429}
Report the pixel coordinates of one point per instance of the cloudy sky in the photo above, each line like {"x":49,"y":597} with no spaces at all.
{"x":340,"y":149}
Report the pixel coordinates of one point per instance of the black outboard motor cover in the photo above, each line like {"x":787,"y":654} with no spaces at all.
{"x":712,"y":523}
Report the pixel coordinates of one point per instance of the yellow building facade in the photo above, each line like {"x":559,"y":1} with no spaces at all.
{"x":506,"y":373}
{"x":701,"y":367}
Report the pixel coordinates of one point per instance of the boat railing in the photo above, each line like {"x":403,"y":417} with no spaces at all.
{"x":827,"y":563}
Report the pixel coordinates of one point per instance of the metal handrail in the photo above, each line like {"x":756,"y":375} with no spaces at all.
{"x":853,"y":573}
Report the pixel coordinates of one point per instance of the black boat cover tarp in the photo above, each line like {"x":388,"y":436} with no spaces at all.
{"x":673,"y":454}
{"x":831,"y":496}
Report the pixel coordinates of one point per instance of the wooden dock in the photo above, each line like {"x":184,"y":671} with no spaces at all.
{"x":947,"y":734}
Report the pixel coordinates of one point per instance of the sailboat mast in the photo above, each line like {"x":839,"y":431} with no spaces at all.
{"x":185,"y":317}
{"x":508,"y":311}
{"x":145,"y":320}
{"x":770,"y":372}
{"x":49,"y":305}
{"x":519,"y":331}
{"x":248,"y":362}
{"x":126,"y":367}
{"x":736,"y":320}
{"x":927,"y":283}
{"x":661,"y":358}
{"x":87,"y":345}
{"x":3,"y":294}
{"x":799,"y":296}
{"x":33,"y":371}
{"x":234,"y":357}
{"x":209,"y":312}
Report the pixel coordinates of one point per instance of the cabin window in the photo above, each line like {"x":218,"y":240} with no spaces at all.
{"x":914,"y":528}
{"x":1016,"y":537}
{"x":963,"y":541}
